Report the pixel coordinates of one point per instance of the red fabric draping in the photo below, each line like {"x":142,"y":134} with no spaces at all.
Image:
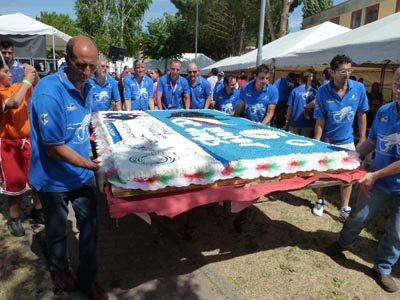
{"x":174,"y":204}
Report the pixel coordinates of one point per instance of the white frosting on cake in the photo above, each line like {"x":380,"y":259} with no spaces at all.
{"x":141,"y":152}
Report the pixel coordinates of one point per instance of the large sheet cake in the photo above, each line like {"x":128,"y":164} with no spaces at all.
{"x":154,"y":150}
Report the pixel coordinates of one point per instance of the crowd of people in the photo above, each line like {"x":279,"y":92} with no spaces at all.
{"x":49,"y":140}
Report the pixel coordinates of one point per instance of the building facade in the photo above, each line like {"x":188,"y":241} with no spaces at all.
{"x":354,"y":13}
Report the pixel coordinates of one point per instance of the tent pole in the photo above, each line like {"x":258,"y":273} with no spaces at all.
{"x":54,"y":55}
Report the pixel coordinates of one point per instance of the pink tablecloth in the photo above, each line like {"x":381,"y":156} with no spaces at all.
{"x":173,"y":204}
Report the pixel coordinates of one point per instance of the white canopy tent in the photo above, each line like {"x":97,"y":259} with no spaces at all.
{"x":377,"y":42}
{"x":31,"y":39}
{"x":286,"y":44}
{"x":218,"y":64}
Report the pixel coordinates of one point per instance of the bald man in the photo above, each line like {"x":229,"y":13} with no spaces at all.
{"x":61,"y":170}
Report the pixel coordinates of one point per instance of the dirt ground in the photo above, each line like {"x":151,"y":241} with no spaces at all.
{"x":276,"y":253}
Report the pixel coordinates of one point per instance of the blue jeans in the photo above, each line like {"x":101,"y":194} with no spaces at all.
{"x":368,"y":204}
{"x":55,"y":210}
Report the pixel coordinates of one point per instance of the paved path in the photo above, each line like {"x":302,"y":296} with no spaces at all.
{"x":136,"y":261}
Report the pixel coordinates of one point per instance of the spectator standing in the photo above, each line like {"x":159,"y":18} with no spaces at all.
{"x":337,"y":104}
{"x":15,"y":145}
{"x":285,"y":86}
{"x":379,"y":188}
{"x":375,"y":92}
{"x":104,"y":89}
{"x":258,"y":97}
{"x":61,"y":170}
{"x":296,"y":121}
{"x":173,"y":89}
{"x":242,"y":79}
{"x":16,"y":68}
{"x":138,"y":88}
{"x":226,"y":95}
{"x":200,"y":90}
{"x":213,"y":79}
{"x":156,"y":76}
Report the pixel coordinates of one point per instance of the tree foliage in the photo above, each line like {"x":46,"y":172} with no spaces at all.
{"x":62,"y":22}
{"x":167,"y":37}
{"x":312,"y":7}
{"x":227,"y":27}
{"x":113,"y":22}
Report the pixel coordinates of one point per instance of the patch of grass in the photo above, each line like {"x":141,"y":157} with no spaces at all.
{"x":338,"y":295}
{"x":337,"y":283}
{"x":286,"y":268}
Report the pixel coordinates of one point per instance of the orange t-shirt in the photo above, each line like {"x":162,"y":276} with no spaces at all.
{"x":14,"y":123}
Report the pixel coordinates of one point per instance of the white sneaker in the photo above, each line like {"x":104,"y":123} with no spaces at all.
{"x":318,"y":209}
{"x":344,"y":213}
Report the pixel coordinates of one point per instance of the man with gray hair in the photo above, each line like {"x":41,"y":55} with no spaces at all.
{"x":138,"y":88}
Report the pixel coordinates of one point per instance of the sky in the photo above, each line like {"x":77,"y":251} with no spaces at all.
{"x":32,"y":8}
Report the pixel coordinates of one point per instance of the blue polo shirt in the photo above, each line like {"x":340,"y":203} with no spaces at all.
{"x":101,"y":95}
{"x":339,"y":113}
{"x":299,"y":97}
{"x":58,"y":115}
{"x":226,"y":103}
{"x":199,"y":92}
{"x":138,"y":92}
{"x":385,"y":132}
{"x":172,"y":93}
{"x":257,"y":103}
{"x":285,"y":87}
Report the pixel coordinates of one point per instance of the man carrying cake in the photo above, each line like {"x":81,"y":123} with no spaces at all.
{"x":379,"y":188}
{"x":258,"y":98}
{"x":337,"y":104}
{"x":61,"y":170}
{"x":173,"y":89}
{"x":200,"y":89}
{"x":138,"y":88}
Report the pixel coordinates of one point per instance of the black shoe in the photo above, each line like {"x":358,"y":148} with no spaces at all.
{"x":385,"y":281}
{"x":15,"y":227}
{"x":36,"y":216}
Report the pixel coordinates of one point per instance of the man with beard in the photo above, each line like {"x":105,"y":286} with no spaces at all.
{"x":61,"y":170}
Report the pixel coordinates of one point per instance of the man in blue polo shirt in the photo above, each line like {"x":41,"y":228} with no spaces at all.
{"x":173,"y":89}
{"x":61,"y":170}
{"x":285,"y":86}
{"x":226,"y":95}
{"x":200,"y":89}
{"x":103,"y":93}
{"x":104,"y":89}
{"x":379,"y":188}
{"x":138,"y":88}
{"x":258,"y":97}
{"x":296,"y":121}
{"x":338,"y":102}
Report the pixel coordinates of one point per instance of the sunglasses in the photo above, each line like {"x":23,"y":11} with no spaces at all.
{"x":104,"y":66}
{"x":192,"y":72}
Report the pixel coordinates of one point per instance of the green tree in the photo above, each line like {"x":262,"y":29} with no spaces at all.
{"x":226,"y":27}
{"x":312,"y":7}
{"x":167,"y":37}
{"x":113,"y":22}
{"x":62,"y":22}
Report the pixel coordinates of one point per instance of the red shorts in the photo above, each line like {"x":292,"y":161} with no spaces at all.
{"x":14,"y":165}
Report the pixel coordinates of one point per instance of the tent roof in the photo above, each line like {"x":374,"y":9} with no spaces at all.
{"x":375,"y":42}
{"x":202,"y":62}
{"x":286,"y":44}
{"x":20,"y":24}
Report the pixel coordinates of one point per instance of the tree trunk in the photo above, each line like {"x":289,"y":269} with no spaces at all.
{"x":269,"y":20}
{"x":284,"y":17}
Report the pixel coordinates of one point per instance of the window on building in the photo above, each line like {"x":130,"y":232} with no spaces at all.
{"x":356,"y":19}
{"x":371,"y":13}
{"x":336,"y":20}
{"x":398,"y":6}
